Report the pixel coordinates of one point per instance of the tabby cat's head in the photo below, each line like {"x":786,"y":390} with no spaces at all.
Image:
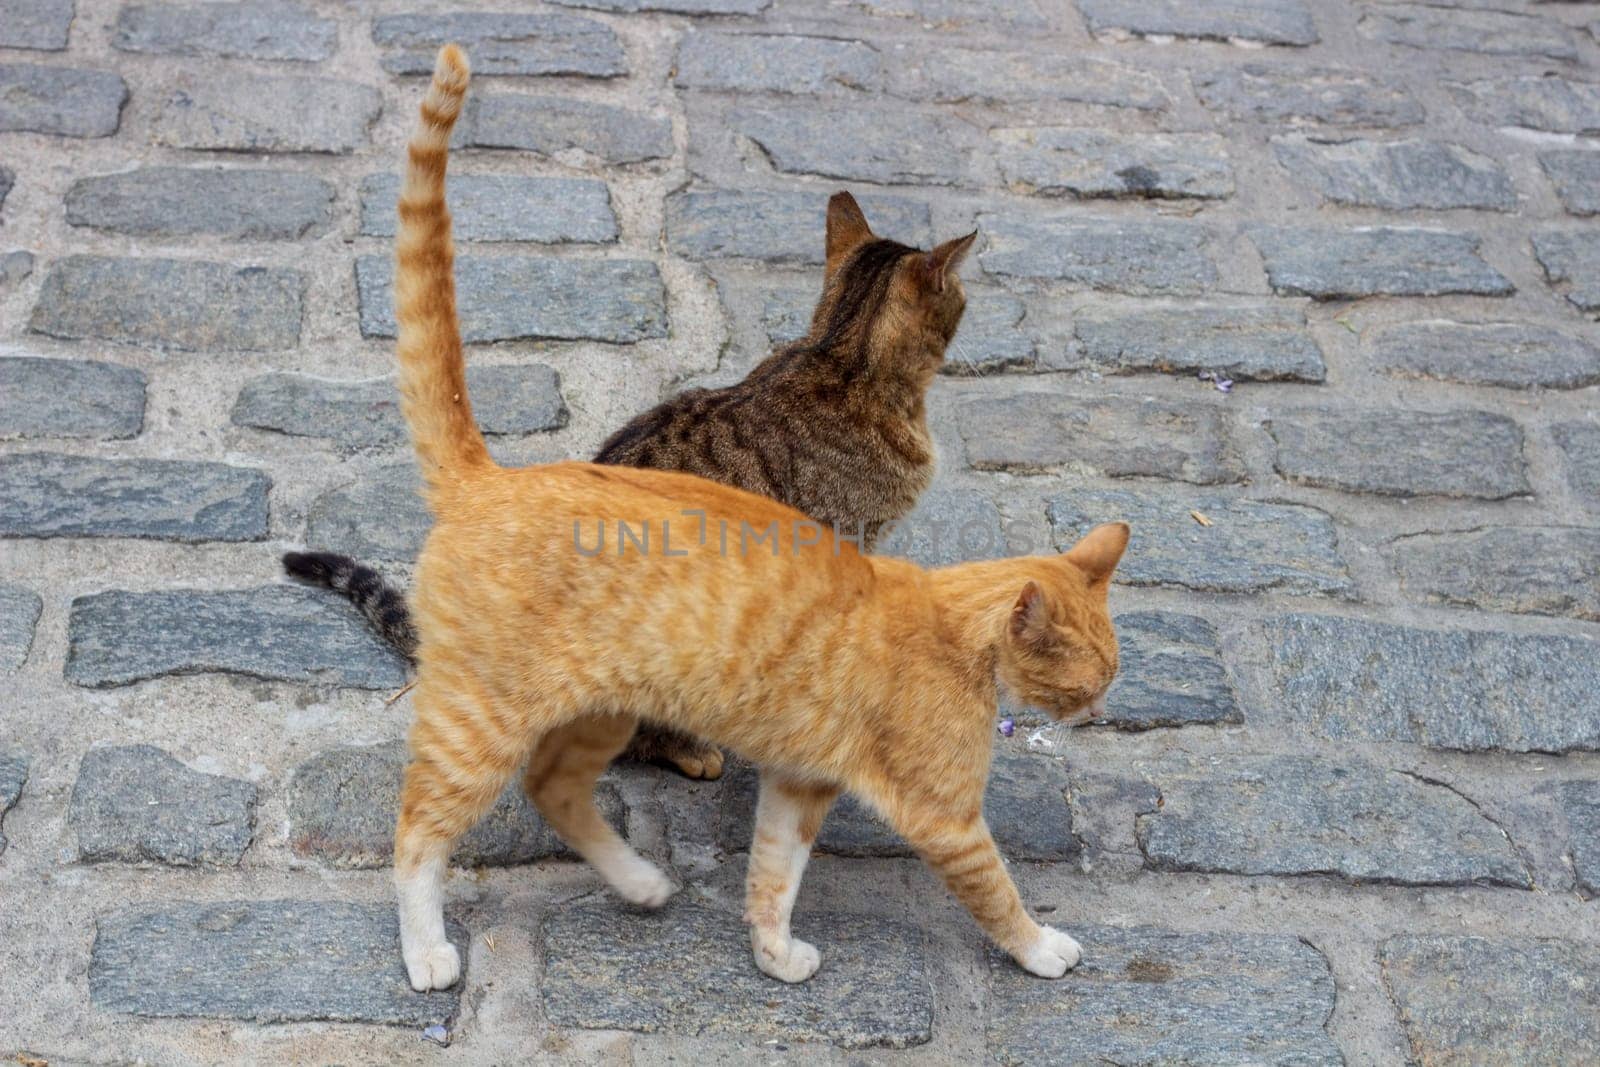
{"x":1059,"y":653}
{"x":884,"y":300}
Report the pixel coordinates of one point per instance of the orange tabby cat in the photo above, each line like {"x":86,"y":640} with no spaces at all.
{"x":548,"y":596}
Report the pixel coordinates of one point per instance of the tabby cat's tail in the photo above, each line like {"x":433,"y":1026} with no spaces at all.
{"x":433,"y":386}
{"x":383,"y":605}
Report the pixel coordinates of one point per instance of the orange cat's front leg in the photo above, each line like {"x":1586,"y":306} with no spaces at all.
{"x":965,"y":856}
{"x":788,"y":816}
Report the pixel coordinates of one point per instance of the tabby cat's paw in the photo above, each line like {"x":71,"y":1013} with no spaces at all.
{"x":793,"y":960}
{"x":433,"y":967}
{"x":697,"y":761}
{"x":1052,"y":955}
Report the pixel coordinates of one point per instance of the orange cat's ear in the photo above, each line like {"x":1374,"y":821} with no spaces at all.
{"x":1101,"y":549}
{"x":847,"y":230}
{"x":1030,"y":616}
{"x":943,"y":261}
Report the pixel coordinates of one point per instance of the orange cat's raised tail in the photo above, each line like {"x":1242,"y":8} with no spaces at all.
{"x":433,"y":388}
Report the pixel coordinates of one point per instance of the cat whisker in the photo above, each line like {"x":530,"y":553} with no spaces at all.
{"x":977,"y":368}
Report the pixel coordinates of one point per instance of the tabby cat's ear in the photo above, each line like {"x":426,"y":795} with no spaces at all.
{"x":847,"y":230}
{"x":1030,"y":616}
{"x":943,"y":261}
{"x":1101,"y":549}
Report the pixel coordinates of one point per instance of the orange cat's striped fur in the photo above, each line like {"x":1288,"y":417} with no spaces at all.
{"x":829,"y":669}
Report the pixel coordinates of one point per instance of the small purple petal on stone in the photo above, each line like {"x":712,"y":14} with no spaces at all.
{"x":1007,"y":727}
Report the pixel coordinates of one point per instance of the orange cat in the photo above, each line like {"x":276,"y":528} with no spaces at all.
{"x":549,"y":596}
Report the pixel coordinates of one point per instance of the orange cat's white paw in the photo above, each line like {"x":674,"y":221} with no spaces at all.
{"x":433,"y":967}
{"x":791,"y":960}
{"x":1052,"y":955}
{"x":642,"y":883}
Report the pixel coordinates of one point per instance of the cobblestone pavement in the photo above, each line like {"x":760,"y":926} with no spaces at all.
{"x":1347,"y":808}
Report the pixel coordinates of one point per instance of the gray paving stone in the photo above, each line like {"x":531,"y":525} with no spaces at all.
{"x":136,"y":804}
{"x":182,"y":201}
{"x":1118,"y":437}
{"x":42,"y":397}
{"x":778,"y":226}
{"x":684,"y":7}
{"x":189,"y":305}
{"x":1025,"y":806}
{"x":787,"y":63}
{"x":1576,"y":176}
{"x":1469,"y":1000}
{"x":1580,"y":445}
{"x":1571,"y":262}
{"x":552,"y":124}
{"x":1268,"y":21}
{"x":503,"y":207}
{"x":1091,"y":164}
{"x":990,"y":338}
{"x":1550,"y":103}
{"x":1130,"y":257}
{"x":1497,"y":33}
{"x":502,"y":43}
{"x":255,"y":29}
{"x":1581,"y":806}
{"x":379,"y":516}
{"x":267,"y":113}
{"x":1340,"y":264}
{"x":19,"y":613}
{"x":1293,"y":815}
{"x":956,"y":75}
{"x":41,"y":25}
{"x":268,"y":961}
{"x":1398,"y":175}
{"x":66,"y":101}
{"x":15,"y":266}
{"x":279,"y":633}
{"x":343,"y":804}
{"x":1254,"y":92}
{"x":846,"y":142}
{"x":1511,"y":354}
{"x":8,"y":179}
{"x":1402,"y":453}
{"x":1253,"y":342}
{"x":687,"y":970}
{"x":366,"y":414}
{"x":1250,"y":546}
{"x":960,"y":14}
{"x":615,"y":300}
{"x":1539,"y":570}
{"x":44,"y":494}
{"x":1148,"y":996}
{"x":948,"y":525}
{"x":1463,"y":690}
{"x":13,"y":775}
{"x":1170,"y":673}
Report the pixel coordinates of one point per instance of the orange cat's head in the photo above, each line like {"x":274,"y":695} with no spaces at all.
{"x":1059,"y":651}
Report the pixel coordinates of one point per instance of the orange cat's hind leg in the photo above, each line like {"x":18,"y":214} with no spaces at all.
{"x":560,"y":781}
{"x":788,"y":816}
{"x":460,"y":763}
